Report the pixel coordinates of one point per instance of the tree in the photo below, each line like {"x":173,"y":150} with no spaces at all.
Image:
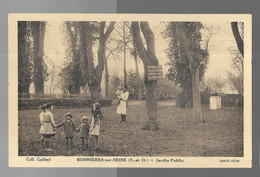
{"x":148,"y":57}
{"x":71,"y":73}
{"x":215,"y":84}
{"x":40,"y":69}
{"x":167,"y":89}
{"x":236,"y":78}
{"x":93,"y":74}
{"x":139,"y":80}
{"x":180,"y":71}
{"x":114,"y":47}
{"x":24,"y":62}
{"x":115,"y":82}
{"x":190,"y":60}
{"x":238,"y":38}
{"x":133,"y":84}
{"x":124,"y":43}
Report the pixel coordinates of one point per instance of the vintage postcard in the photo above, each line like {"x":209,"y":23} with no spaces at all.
{"x":130,"y":90}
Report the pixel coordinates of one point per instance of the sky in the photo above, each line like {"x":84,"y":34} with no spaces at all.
{"x":220,"y":57}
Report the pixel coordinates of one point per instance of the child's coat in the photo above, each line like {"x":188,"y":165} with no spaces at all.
{"x":83,"y":130}
{"x":47,"y":123}
{"x":69,"y":128}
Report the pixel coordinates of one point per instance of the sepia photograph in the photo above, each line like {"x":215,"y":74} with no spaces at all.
{"x":130,"y":90}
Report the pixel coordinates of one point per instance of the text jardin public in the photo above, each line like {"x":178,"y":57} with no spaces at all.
{"x":129,"y":160}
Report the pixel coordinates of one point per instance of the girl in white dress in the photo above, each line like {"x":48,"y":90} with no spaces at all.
{"x":95,"y":124}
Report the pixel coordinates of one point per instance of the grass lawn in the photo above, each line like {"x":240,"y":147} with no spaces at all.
{"x":179,"y":134}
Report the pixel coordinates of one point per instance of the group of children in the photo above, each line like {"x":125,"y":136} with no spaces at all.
{"x":88,"y":127}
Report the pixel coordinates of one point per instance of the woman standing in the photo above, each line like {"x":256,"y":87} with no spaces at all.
{"x":121,"y":108}
{"x":48,"y":126}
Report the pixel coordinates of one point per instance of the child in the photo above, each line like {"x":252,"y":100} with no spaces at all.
{"x":42,"y":124}
{"x":84,"y":130}
{"x":69,"y":129}
{"x":119,"y":92}
{"x":48,"y":125}
{"x":95,"y":123}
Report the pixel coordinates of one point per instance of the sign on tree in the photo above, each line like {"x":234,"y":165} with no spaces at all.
{"x":154,"y":72}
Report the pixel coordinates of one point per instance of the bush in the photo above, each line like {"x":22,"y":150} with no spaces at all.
{"x":184,"y":100}
{"x":227,"y":100}
{"x":180,"y":101}
{"x":34,"y":103}
{"x":232,"y":100}
{"x":205,"y":95}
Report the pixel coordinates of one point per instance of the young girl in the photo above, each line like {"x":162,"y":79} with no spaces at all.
{"x":95,"y":123}
{"x":48,"y":125}
{"x":84,"y":130}
{"x":69,"y":129}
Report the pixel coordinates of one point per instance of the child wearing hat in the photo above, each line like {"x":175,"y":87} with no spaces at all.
{"x":69,"y":129}
{"x":84,"y":130}
{"x":95,"y":123}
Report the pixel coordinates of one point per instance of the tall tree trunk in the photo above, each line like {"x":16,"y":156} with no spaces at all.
{"x":196,"y":95}
{"x":124,"y":54}
{"x":139,"y":87}
{"x":93,"y":74}
{"x":151,"y":104}
{"x":194,"y":68}
{"x":106,"y":79}
{"x":24,"y":76}
{"x":239,"y":40}
{"x":76,"y":74}
{"x":149,"y":58}
{"x":38,"y":33}
{"x":95,"y":90}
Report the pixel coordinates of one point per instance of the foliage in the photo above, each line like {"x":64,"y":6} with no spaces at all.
{"x":31,"y":66}
{"x":205,"y":96}
{"x":232,"y":100}
{"x":215,"y":85}
{"x":34,"y":103}
{"x":166,"y":89}
{"x":40,"y":74}
{"x":227,"y":100}
{"x":115,"y":82}
{"x":73,"y":72}
{"x":132,"y":84}
{"x":236,"y":78}
{"x":25,"y":69}
{"x":179,"y":63}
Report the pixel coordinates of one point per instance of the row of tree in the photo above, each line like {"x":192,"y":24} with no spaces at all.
{"x":188,"y":58}
{"x":31,"y":66}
